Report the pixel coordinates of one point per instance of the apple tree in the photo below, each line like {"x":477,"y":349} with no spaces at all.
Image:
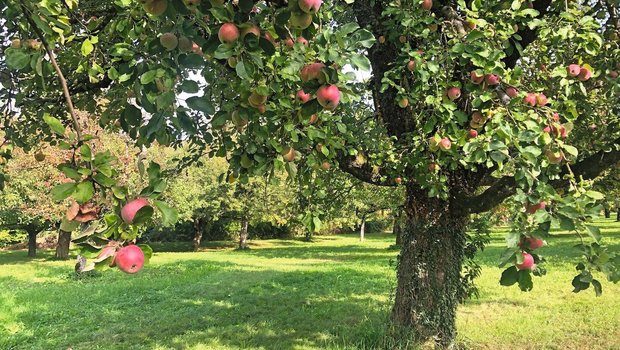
{"x":472,"y":104}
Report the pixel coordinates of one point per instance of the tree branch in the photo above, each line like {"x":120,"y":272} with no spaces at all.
{"x":588,"y":169}
{"x":61,"y":77}
{"x":527,"y":35}
{"x":362,"y":172}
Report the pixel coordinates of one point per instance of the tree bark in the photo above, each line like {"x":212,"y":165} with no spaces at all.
{"x":63,"y":245}
{"x":429,"y":270}
{"x":607,"y":213}
{"x":32,"y":244}
{"x":243,"y":233}
{"x":197,"y":234}
{"x":363,"y":228}
{"x":618,"y":214}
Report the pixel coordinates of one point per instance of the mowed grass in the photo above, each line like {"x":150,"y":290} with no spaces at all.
{"x":334,"y":293}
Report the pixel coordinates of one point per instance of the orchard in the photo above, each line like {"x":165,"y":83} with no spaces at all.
{"x":469,"y":105}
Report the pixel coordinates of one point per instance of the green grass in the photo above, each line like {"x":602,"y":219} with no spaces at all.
{"x":287,"y":294}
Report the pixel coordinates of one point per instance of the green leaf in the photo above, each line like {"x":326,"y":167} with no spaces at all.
{"x":525,"y":280}
{"x":103,"y":180}
{"x":87,"y":47}
{"x":16,"y":59}
{"x":241,"y":71}
{"x":54,"y":124}
{"x":142,"y":215}
{"x":509,"y":277}
{"x":63,"y":191}
{"x":86,"y":152}
{"x":361,"y":61}
{"x":169,"y":215}
{"x":200,"y":104}
{"x":148,"y":252}
{"x":84,"y":192}
{"x":598,"y":288}
{"x":594,"y":232}
{"x":579,"y":285}
{"x":595,"y":195}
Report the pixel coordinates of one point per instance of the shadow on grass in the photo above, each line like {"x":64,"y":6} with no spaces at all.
{"x":204,"y":303}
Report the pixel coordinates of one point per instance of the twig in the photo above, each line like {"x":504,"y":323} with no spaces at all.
{"x":61,"y":77}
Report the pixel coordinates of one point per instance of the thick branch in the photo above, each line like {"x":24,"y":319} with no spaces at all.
{"x":61,"y":77}
{"x":588,"y":169}
{"x":362,"y":172}
{"x":527,"y":35}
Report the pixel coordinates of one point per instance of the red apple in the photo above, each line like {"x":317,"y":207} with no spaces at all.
{"x":472,"y":134}
{"x":512,"y":92}
{"x":554,"y":157}
{"x":556,"y":117}
{"x":403,"y":102}
{"x":302,"y":97}
{"x":528,"y":262}
{"x":398,"y":180}
{"x":411,"y":65}
{"x":573,"y":70}
{"x":328,"y":96}
{"x":130,"y":259}
{"x":312,"y":71}
{"x":128,"y":212}
{"x":309,"y":6}
{"x":530,"y":99}
{"x":228,"y":33}
{"x":300,"y":20}
{"x":453,"y":93}
{"x":325,"y":166}
{"x":584,"y":74}
{"x":613,"y":74}
{"x":541,"y":99}
{"x":289,"y":154}
{"x":289,"y":42}
{"x":547,"y":129}
{"x":532,"y":208}
{"x":475,"y":78}
{"x":445,"y":144}
{"x":492,"y":79}
{"x":302,"y":40}
{"x":427,"y":4}
{"x":533,"y":243}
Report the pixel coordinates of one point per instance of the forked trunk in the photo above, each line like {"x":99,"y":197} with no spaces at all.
{"x":32,"y":244}
{"x":243,"y":234}
{"x":429,"y":270}
{"x":197,"y":234}
{"x":63,"y":245}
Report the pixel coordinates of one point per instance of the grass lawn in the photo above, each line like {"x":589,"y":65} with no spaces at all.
{"x":287,"y":294}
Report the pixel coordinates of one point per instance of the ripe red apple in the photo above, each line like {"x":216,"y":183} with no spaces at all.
{"x":310,"y":6}
{"x":445,"y":144}
{"x":492,"y":79}
{"x":398,"y":180}
{"x":512,"y":92}
{"x":197,"y":49}
{"x":541,"y":99}
{"x":555,"y":117}
{"x":300,"y":20}
{"x":328,"y":96}
{"x":289,"y":42}
{"x":325,"y":166}
{"x":403,"y":102}
{"x":302,"y":97}
{"x":312,"y":71}
{"x":453,"y":93}
{"x":475,"y":78}
{"x":427,"y":4}
{"x":411,"y":65}
{"x":228,"y":33}
{"x":289,"y":154}
{"x":472,"y":134}
{"x":532,"y":243}
{"x":547,"y":129}
{"x":613,"y":74}
{"x":528,"y":262}
{"x":130,"y":259}
{"x":128,"y":212}
{"x":532,"y":208}
{"x":584,"y":74}
{"x":573,"y":70}
{"x":302,"y":40}
{"x":530,"y":99}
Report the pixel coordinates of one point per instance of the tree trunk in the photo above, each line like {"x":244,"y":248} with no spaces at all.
{"x":62,"y":247}
{"x":197,"y":234}
{"x":363,"y":228}
{"x":32,"y":244}
{"x":429,"y":270}
{"x":243,"y":234}
{"x":618,"y":214}
{"x":607,"y":213}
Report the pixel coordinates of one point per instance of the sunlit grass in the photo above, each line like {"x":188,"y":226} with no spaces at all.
{"x":333,"y":293}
